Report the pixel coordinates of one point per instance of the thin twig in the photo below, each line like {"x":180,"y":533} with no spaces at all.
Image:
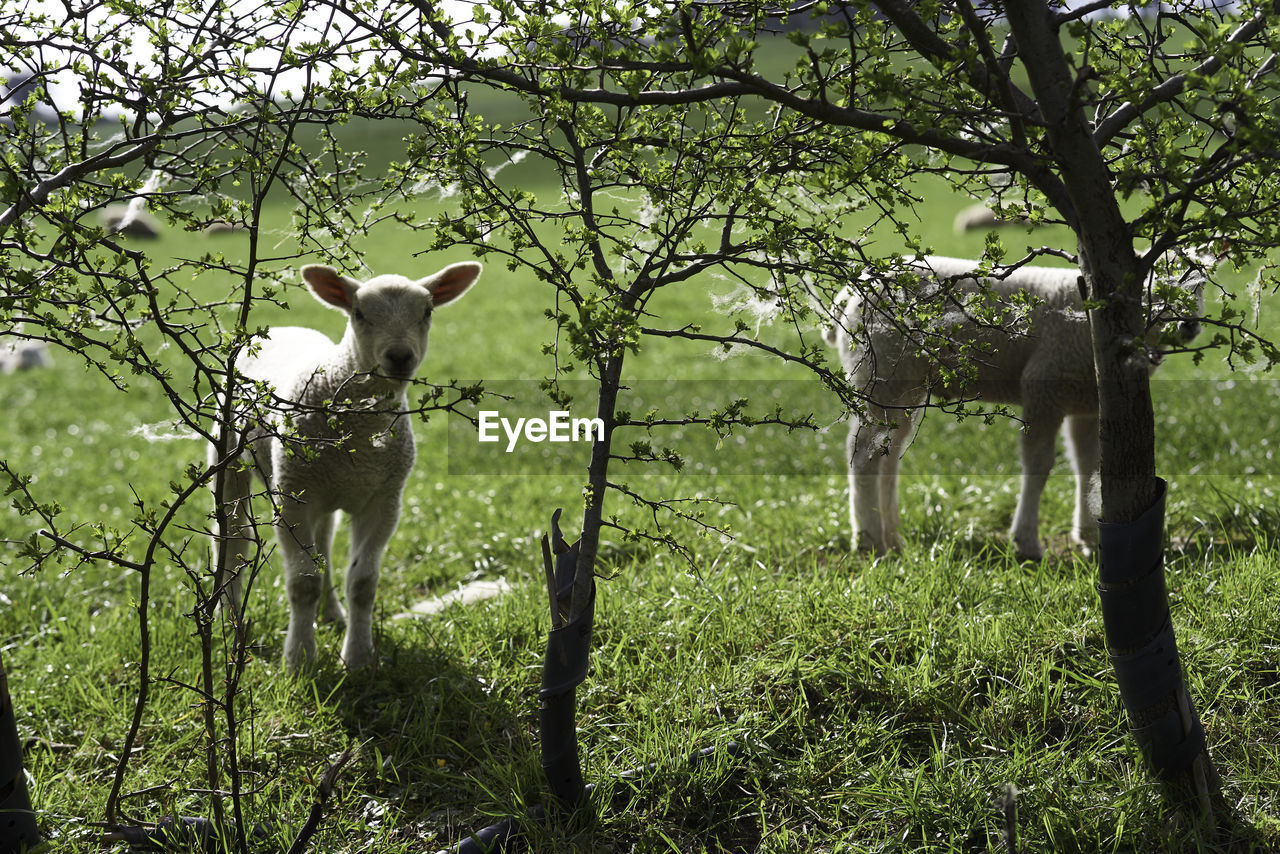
{"x":324,"y":791}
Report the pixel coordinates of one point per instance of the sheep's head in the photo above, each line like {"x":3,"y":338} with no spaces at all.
{"x":1177,"y":298}
{"x":389,"y":317}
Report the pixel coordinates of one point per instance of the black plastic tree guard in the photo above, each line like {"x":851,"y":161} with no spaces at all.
{"x":564,"y":667}
{"x":18,"y":830}
{"x":1141,"y":643}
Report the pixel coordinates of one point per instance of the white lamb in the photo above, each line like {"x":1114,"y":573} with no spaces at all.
{"x":24,"y":355}
{"x":340,"y":440}
{"x":1046,"y":366}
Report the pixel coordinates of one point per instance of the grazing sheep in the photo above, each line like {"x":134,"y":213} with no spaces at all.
{"x":341,"y":440}
{"x":131,"y":220}
{"x":1046,"y":367}
{"x":23,"y":355}
{"x":979,"y":216}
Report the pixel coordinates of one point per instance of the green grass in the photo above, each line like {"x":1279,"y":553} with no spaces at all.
{"x":880,"y":705}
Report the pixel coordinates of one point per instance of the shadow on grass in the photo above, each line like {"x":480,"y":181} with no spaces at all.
{"x":441,"y":744}
{"x":928,"y":737}
{"x":1233,"y":835}
{"x":455,"y":754}
{"x":1230,"y":527}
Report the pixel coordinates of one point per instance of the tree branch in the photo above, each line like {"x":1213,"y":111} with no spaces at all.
{"x":1124,"y":115}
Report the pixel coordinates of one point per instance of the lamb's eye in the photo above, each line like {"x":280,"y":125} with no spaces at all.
{"x":426,"y":314}
{"x":358,"y":315}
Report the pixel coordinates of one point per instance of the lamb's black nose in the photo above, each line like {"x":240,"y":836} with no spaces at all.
{"x":399,"y":362}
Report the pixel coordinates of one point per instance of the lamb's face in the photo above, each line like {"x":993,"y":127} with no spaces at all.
{"x":389,"y":317}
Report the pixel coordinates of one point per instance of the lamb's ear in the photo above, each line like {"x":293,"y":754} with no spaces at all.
{"x":451,"y":282}
{"x":329,"y":286}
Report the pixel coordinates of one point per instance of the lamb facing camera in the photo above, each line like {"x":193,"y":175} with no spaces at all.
{"x":1045,"y":366}
{"x":338,"y":439}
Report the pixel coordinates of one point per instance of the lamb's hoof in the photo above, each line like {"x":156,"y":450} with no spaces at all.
{"x":358,"y":656}
{"x":862,"y":544}
{"x":1083,"y":547}
{"x":298,"y":654}
{"x":334,"y":615}
{"x":1024,"y":553}
{"x":295,"y":665}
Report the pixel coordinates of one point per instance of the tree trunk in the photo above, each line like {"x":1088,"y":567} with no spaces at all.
{"x":1140,"y":636}
{"x":1108,"y":261}
{"x":21,"y":833}
{"x":1126,"y":417}
{"x":597,"y":477}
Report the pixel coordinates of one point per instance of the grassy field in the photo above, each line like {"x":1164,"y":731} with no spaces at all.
{"x":879,"y":705}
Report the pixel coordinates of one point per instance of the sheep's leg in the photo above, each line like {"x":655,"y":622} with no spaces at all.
{"x":1081,"y":435}
{"x":871,"y":445}
{"x":1037,"y":460}
{"x":889,"y":498}
{"x":331,"y":606}
{"x":864,"y":490}
{"x":889,"y":466}
{"x":371,"y":530}
{"x":303,"y":583}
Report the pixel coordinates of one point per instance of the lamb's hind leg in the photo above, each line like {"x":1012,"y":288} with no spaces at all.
{"x":1037,"y":460}
{"x":371,"y":530}
{"x":1081,"y":436}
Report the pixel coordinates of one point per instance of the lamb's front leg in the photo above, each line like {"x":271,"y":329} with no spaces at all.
{"x":303,"y":583}
{"x":371,"y":530}
{"x":875,"y":447}
{"x":865,"y":460}
{"x":331,"y":607}
{"x":899,"y":440}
